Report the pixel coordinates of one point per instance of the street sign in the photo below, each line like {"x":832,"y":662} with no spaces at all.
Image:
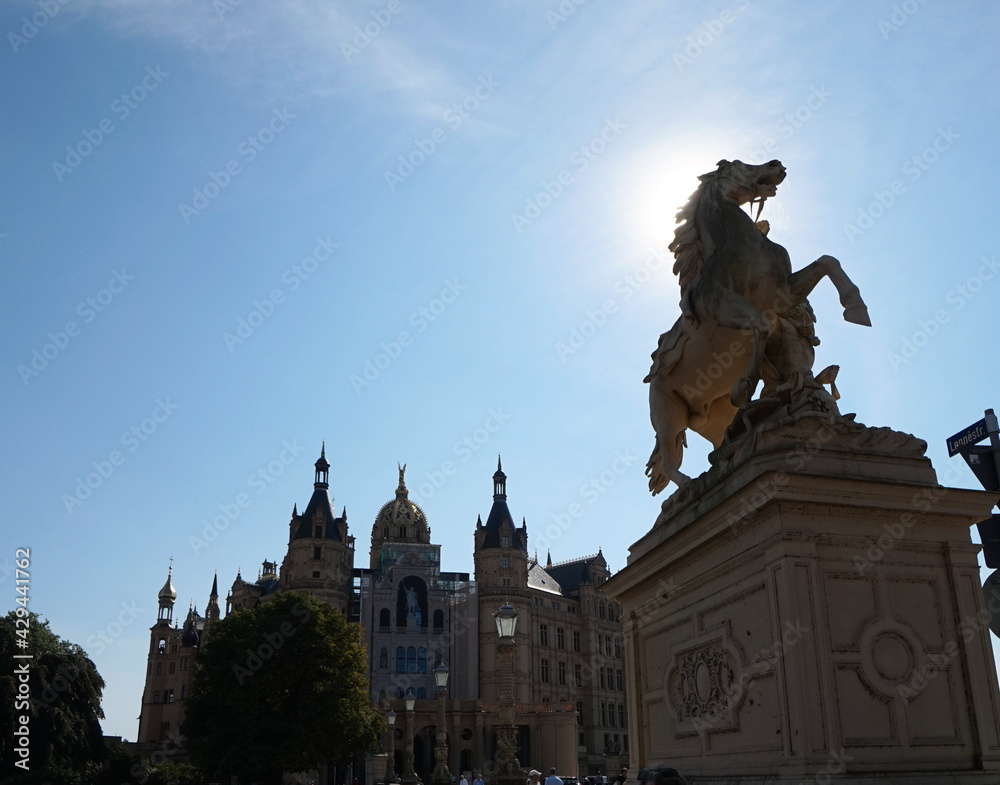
{"x":983,"y":462}
{"x":973,"y":434}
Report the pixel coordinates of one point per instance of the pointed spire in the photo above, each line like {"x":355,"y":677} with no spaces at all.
{"x":215,"y":585}
{"x":548,"y":561}
{"x":322,"y":470}
{"x":295,"y":510}
{"x":499,"y":483}
{"x":344,"y":513}
{"x":479,"y":521}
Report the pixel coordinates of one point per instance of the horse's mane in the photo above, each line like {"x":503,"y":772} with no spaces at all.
{"x":689,"y":253}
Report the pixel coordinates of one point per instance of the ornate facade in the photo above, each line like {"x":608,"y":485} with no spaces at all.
{"x":569,"y":688}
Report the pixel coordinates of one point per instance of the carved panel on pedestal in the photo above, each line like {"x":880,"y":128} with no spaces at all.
{"x":893,"y":672}
{"x":702,"y":684}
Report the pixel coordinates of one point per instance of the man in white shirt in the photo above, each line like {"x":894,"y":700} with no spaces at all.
{"x":552,"y":779}
{"x":478,"y":780}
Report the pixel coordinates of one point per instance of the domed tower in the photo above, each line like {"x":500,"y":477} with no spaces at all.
{"x":168,"y":669}
{"x":398,"y":521}
{"x":320,"y":558}
{"x":167,"y":597}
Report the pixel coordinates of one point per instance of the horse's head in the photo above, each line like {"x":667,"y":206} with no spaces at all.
{"x":742,"y":183}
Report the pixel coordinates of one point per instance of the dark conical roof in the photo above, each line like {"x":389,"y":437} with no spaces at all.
{"x":319,"y":509}
{"x":500,"y":515}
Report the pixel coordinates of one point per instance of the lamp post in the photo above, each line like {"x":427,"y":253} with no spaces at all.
{"x":409,"y":775}
{"x":508,"y":771}
{"x":441,"y":774}
{"x":390,"y":769}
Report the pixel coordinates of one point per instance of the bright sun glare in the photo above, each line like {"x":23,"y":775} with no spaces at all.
{"x":660,"y":181}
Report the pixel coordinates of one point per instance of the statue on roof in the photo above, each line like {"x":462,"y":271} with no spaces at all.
{"x":744,"y":319}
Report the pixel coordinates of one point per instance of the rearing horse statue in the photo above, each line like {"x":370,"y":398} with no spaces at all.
{"x":737,"y":290}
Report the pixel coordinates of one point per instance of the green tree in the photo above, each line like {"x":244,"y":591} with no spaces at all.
{"x":280,"y":688}
{"x":63,"y":704}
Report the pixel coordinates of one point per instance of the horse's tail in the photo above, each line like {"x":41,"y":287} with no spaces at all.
{"x":668,"y":351}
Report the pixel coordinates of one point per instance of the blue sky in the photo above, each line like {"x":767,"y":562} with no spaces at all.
{"x":230,"y":231}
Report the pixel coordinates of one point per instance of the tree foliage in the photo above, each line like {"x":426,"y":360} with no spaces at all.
{"x":64,"y":708}
{"x":279,"y":688}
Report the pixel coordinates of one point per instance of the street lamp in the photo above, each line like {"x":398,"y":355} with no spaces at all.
{"x":390,"y":769}
{"x":509,"y":770}
{"x":441,"y":774}
{"x":409,"y":775}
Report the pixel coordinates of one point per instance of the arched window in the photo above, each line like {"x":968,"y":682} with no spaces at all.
{"x":399,"y":692}
{"x":411,"y":660}
{"x":402,"y":531}
{"x":600,"y":610}
{"x":439,"y":620}
{"x":400,"y":659}
{"x":421,"y":693}
{"x":422,"y":660}
{"x":383,"y":658}
{"x":383,"y":617}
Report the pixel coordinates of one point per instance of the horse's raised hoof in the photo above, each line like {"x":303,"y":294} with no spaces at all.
{"x":857,"y":314}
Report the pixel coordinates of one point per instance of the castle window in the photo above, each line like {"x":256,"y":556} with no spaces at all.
{"x":544,"y":670}
{"x":621,"y":679}
{"x":319,"y":531}
{"x":400,"y":660}
{"x":579,"y":712}
{"x":618,"y":647}
{"x":169,"y":696}
{"x":543,"y":634}
{"x":421,"y":693}
{"x":601,"y":610}
{"x":317,"y":553}
{"x":383,"y":619}
{"x":578,"y":675}
{"x":621,"y":715}
{"x":385,"y":533}
{"x":383,"y":658}
{"x":438,"y":620}
{"x":505,"y":541}
{"x":505,"y":562}
{"x":555,"y":605}
{"x":562,"y":672}
{"x":560,"y":638}
{"x":506,"y":581}
{"x":576,"y":640}
{"x":421,"y":660}
{"x":402,"y":531}
{"x":315,"y":573}
{"x":161,"y":647}
{"x":156,"y":696}
{"x":604,"y":721}
{"x":411,"y":660}
{"x":159,"y":668}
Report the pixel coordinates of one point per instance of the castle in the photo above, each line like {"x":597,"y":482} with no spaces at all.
{"x":569,"y":664}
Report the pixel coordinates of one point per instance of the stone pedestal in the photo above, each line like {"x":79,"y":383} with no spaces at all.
{"x":811,"y":607}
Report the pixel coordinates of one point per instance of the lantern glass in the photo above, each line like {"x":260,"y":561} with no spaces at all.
{"x":410,"y":703}
{"x":506,"y":619}
{"x":390,"y":718}
{"x":441,"y":674}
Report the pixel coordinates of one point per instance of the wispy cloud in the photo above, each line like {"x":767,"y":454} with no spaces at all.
{"x":292,"y":51}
